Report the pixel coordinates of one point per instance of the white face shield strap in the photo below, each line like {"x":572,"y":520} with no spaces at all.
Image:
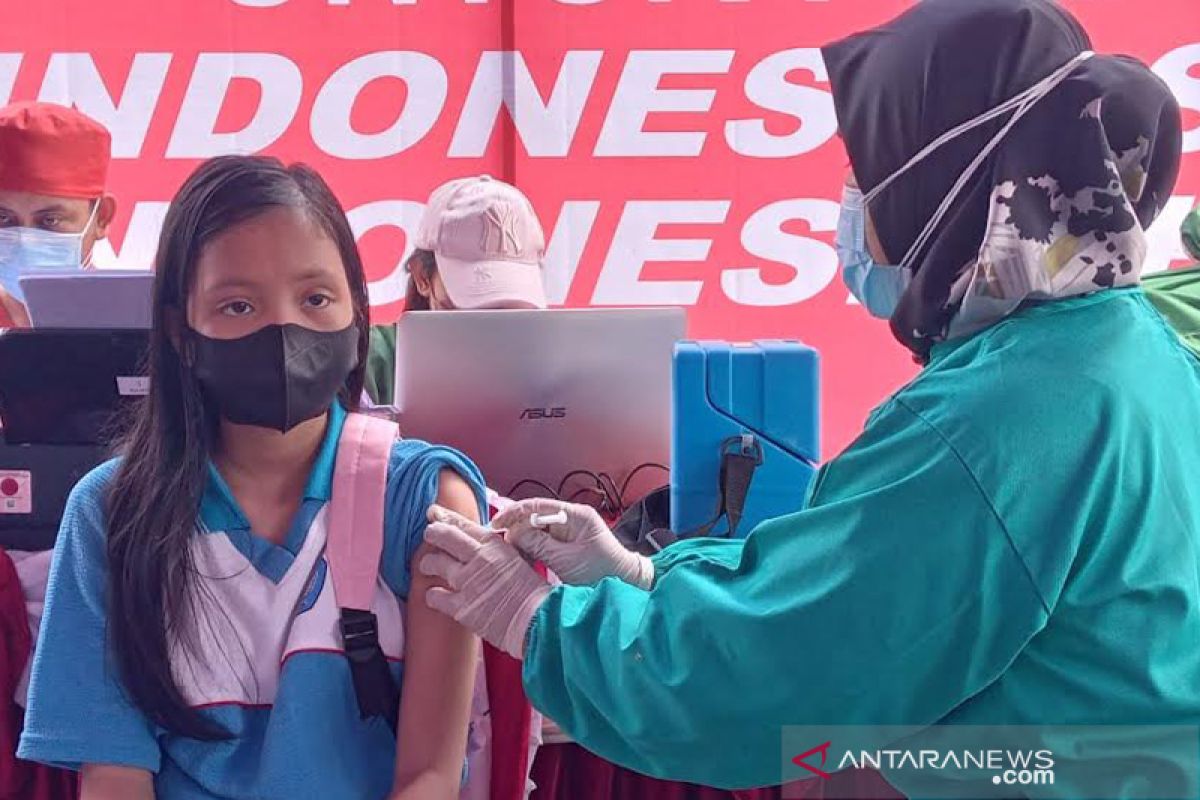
{"x":1019,"y":104}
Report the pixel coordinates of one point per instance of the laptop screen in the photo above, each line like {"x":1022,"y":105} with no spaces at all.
{"x":67,"y":387}
{"x":534,"y":398}
{"x":105,"y":299}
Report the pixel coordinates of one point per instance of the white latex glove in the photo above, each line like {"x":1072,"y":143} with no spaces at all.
{"x":581,"y":552}
{"x":492,"y":591}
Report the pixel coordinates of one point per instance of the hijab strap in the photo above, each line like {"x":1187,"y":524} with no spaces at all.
{"x":1020,"y":104}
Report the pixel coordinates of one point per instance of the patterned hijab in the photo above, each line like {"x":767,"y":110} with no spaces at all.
{"x":1059,"y":208}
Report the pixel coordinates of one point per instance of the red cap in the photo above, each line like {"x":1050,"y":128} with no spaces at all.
{"x":52,"y":150}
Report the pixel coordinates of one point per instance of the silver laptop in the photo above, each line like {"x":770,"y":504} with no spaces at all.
{"x":109,"y":298}
{"x":533,"y":396}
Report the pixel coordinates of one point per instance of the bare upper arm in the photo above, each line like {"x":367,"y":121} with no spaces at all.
{"x":439,"y":676}
{"x":455,"y":494}
{"x":107,"y":782}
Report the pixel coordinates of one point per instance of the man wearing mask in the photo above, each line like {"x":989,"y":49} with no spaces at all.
{"x":53,"y":205}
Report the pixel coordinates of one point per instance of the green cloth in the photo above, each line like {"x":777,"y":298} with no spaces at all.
{"x":380,"y":376}
{"x":1190,"y":233}
{"x":1176,"y":295}
{"x":1014,"y":538}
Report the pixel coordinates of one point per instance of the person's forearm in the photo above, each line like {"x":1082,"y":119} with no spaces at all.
{"x":103,"y":782}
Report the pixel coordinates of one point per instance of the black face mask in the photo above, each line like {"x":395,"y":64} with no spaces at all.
{"x":277,"y":377}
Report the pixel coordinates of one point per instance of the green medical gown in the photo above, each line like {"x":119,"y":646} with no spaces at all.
{"x":1014,"y":538}
{"x":1176,"y":295}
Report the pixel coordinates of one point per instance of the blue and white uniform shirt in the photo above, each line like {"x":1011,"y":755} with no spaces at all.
{"x":267,"y":665}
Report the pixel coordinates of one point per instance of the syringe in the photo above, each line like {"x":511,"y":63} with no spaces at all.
{"x":546,"y":520}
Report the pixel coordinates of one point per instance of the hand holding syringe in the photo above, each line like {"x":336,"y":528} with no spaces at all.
{"x":573,"y":541}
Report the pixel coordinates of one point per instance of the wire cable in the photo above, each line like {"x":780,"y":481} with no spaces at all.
{"x":636,"y":471}
{"x":531,"y":482}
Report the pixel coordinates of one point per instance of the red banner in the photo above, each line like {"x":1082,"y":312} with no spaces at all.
{"x":678,"y":151}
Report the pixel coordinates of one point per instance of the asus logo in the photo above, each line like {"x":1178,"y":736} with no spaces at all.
{"x":544,"y":413}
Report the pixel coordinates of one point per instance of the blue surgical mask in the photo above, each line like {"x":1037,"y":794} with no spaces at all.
{"x":27,"y":250}
{"x":877,"y":286}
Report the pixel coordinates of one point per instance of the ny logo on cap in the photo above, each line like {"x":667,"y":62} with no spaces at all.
{"x":500,"y":235}
{"x":482,"y":274}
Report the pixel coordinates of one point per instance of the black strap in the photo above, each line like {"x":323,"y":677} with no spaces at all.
{"x":738,"y":472}
{"x":374,"y":687}
{"x":741,"y":457}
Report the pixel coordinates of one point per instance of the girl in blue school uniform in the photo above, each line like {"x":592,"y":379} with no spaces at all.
{"x":190,"y":646}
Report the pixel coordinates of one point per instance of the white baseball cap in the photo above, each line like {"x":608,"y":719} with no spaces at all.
{"x":488,"y":243}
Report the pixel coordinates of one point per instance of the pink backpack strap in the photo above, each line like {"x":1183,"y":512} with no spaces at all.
{"x":353,"y":547}
{"x":355,"y":541}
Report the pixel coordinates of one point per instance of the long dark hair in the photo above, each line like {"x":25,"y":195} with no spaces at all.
{"x":156,"y":496}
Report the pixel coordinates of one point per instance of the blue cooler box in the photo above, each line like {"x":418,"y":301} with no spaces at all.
{"x":763,"y":394}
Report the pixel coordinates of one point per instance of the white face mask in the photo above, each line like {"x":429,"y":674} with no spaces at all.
{"x":27,"y":250}
{"x":1019,"y":105}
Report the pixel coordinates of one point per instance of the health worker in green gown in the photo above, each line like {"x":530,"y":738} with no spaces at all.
{"x":1013,"y":539}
